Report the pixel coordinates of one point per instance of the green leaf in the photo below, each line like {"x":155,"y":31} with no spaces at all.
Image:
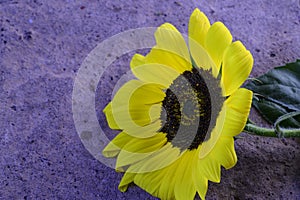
{"x":277,"y":93}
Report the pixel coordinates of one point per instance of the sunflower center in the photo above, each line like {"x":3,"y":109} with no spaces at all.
{"x":191,"y":106}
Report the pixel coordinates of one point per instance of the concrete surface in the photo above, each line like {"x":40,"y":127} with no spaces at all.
{"x":42,"y":45}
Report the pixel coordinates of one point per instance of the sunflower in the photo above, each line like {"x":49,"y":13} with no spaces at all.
{"x":179,"y":117}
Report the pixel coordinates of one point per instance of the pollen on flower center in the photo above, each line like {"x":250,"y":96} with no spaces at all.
{"x":188,"y":115}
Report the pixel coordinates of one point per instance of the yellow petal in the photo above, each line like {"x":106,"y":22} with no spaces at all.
{"x":224,"y":152}
{"x":163,"y":157}
{"x":168,"y":59}
{"x":137,"y":60}
{"x":171,"y":49}
{"x":170,"y":39}
{"x":184,"y":186}
{"x":138,"y":149}
{"x":153,"y":72}
{"x":218,"y":38}
{"x":166,"y":190}
{"x":150,"y":181}
{"x":142,"y":100}
{"x":113,"y":148}
{"x":202,"y":189}
{"x":198,"y":27}
{"x":210,"y":168}
{"x":110,"y":118}
{"x":237,"y":110}
{"x":201,"y":57}
{"x":237,"y":65}
{"x":126,"y":180}
{"x":146,"y":94}
{"x":200,"y":181}
{"x":132,"y":108}
{"x":159,"y":183}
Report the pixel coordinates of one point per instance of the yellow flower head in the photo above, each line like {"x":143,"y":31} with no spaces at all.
{"x":179,"y":117}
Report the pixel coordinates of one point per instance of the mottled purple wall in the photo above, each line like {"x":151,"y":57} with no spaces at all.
{"x":43,"y":44}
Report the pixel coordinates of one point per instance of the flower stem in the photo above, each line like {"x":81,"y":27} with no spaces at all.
{"x":277,"y":127}
{"x":269,"y":132}
{"x":251,"y":128}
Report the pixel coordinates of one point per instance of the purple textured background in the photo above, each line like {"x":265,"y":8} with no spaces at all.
{"x":42,"y":45}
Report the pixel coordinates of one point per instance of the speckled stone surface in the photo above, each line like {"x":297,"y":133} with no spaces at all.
{"x":42,"y":46}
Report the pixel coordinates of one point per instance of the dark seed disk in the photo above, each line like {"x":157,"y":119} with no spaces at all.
{"x":187,"y":113}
